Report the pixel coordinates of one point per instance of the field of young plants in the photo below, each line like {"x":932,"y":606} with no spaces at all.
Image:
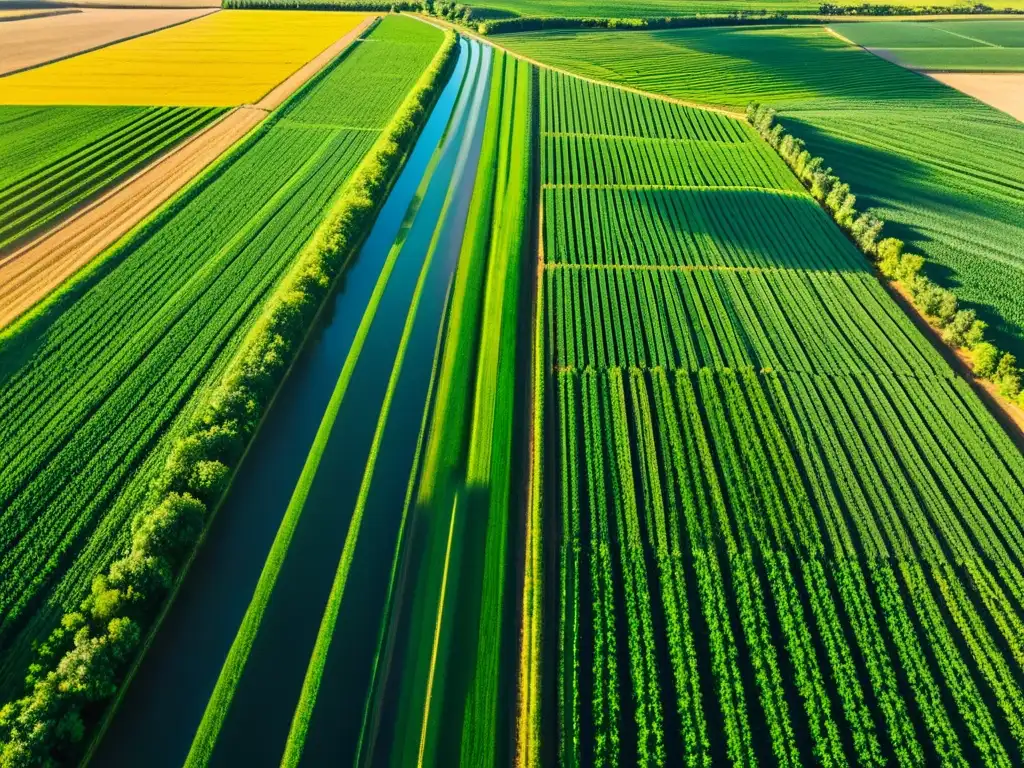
{"x":56,"y":157}
{"x":93,"y":398}
{"x":943,"y":169}
{"x":783,"y":530}
{"x":956,"y":46}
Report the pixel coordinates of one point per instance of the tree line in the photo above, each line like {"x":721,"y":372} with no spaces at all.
{"x":961,"y":328}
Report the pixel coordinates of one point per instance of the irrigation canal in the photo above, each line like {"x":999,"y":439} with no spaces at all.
{"x":419,"y":230}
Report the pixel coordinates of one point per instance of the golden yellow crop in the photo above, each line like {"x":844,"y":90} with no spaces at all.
{"x":221,"y":60}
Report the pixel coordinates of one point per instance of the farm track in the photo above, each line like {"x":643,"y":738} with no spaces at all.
{"x":29,"y":274}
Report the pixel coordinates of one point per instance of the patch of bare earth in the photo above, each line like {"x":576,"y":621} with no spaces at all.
{"x":30,"y":273}
{"x":1004,"y":91}
{"x":27,"y":43}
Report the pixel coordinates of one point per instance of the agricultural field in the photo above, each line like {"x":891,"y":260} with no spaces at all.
{"x":94,"y":397}
{"x":219,"y":60}
{"x":54,"y":158}
{"x":641,"y":8}
{"x":376,"y":393}
{"x":778,"y":529}
{"x":959,"y":46}
{"x":32,"y":37}
{"x":943,"y":169}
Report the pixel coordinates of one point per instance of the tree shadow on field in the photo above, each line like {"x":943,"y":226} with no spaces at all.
{"x":797,"y":63}
{"x":751,"y":228}
{"x":885,"y":180}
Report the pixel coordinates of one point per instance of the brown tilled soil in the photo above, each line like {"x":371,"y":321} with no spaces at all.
{"x":27,"y":43}
{"x":276,"y":97}
{"x":30,"y":273}
{"x":1004,"y":91}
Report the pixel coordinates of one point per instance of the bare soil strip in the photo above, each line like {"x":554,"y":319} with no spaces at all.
{"x":277,"y":96}
{"x":38,"y":13}
{"x":1004,"y":91}
{"x":30,"y":273}
{"x":28,"y":43}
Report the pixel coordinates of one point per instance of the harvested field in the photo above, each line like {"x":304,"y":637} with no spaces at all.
{"x":34,"y":13}
{"x":32,"y":272}
{"x":227,"y":59}
{"x":1004,"y":91}
{"x":38,"y":40}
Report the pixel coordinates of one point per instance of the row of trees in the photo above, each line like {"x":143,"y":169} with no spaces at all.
{"x":80,"y":667}
{"x":533,"y":23}
{"x":869,"y":9}
{"x":961,"y":328}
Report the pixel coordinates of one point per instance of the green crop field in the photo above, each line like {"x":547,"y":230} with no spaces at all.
{"x":90,"y":404}
{"x":630,"y":395}
{"x":641,"y":8}
{"x":54,"y":158}
{"x":961,"y":46}
{"x":779,"y":530}
{"x":942,"y":168}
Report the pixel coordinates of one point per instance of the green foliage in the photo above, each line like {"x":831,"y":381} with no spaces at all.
{"x":56,"y":158}
{"x":70,"y":676}
{"x":938,"y":165}
{"x":986,"y":357}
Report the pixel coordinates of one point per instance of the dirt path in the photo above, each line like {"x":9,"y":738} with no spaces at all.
{"x":28,"y":43}
{"x":32,"y":272}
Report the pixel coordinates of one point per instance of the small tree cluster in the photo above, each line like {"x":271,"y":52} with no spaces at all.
{"x":960,"y":327}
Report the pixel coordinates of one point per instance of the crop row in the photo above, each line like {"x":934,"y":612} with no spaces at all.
{"x":692,"y":227}
{"x":793,"y":320}
{"x":603,"y":160}
{"x":37,"y":198}
{"x":571,"y":105}
{"x":733,"y":479}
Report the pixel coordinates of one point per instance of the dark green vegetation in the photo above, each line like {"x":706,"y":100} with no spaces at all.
{"x":55,"y":158}
{"x":780,"y":530}
{"x":945,"y":171}
{"x":132,"y":405}
{"x":984,"y":46}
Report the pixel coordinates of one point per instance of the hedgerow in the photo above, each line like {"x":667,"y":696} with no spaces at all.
{"x":960,"y":327}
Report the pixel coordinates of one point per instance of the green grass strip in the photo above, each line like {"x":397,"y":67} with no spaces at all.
{"x":234,"y":665}
{"x":314,"y":674}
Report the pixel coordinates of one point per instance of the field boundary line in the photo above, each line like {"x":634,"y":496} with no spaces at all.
{"x":280,"y":92}
{"x":967,"y":37}
{"x":555,"y":265}
{"x":200,"y":15}
{"x":736,"y":115}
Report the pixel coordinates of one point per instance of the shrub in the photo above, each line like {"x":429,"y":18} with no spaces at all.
{"x":985,"y":359}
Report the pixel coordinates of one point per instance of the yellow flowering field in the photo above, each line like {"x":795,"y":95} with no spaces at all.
{"x":221,"y":60}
